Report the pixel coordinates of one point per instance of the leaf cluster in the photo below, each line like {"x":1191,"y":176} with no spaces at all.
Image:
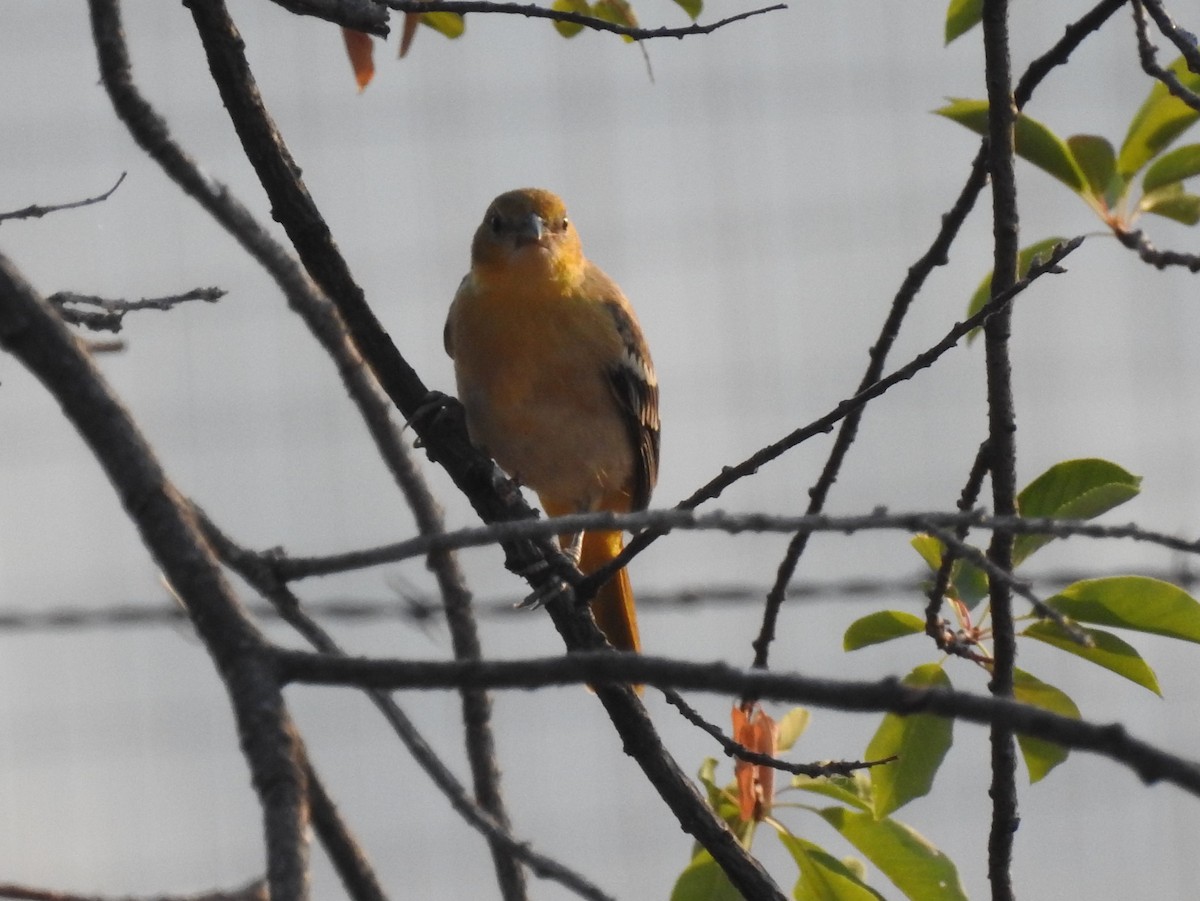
{"x":861,"y":816}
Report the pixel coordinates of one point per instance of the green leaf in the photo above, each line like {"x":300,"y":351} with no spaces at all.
{"x":1034,"y":141}
{"x":1180,"y":163}
{"x":1041,"y":756}
{"x":704,"y":880}
{"x":790,"y":727}
{"x":691,"y":7}
{"x":919,"y":741}
{"x":1132,"y":602}
{"x":619,"y":12}
{"x":1159,"y":121}
{"x":930,"y":549}
{"x":1072,"y":489}
{"x":451,"y":25}
{"x":961,"y":17}
{"x":1098,"y":162}
{"x":854,"y":790}
{"x":822,"y":876}
{"x":916,"y":867}
{"x":1107,"y":651}
{"x":1025,"y":259}
{"x":570,"y":29}
{"x":881,"y":626}
{"x":1171,"y":202}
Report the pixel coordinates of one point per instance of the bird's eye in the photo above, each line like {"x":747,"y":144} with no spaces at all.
{"x":563,"y":223}
{"x":495,"y":223}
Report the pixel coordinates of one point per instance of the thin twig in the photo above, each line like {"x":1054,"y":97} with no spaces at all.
{"x":1148,"y":55}
{"x":935,"y":626}
{"x":740,"y":751}
{"x":1184,"y":41}
{"x":1160,"y":259}
{"x":663,"y":521}
{"x":109,"y":313}
{"x":36,"y":212}
{"x":843,"y":411}
{"x":533,"y":11}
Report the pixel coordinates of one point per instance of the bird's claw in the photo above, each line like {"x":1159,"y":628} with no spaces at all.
{"x":432,"y":406}
{"x":545,"y":593}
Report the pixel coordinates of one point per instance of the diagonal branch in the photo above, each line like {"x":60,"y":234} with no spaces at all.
{"x":844,"y":411}
{"x":1150,"y":763}
{"x":741,"y":752}
{"x":40,"y":340}
{"x":1148,"y":55}
{"x":36,"y":212}
{"x":258,"y":572}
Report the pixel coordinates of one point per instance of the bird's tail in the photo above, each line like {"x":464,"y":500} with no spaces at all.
{"x":613,"y":604}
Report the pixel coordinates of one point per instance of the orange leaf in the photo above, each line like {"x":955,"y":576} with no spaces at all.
{"x":359,"y":49}
{"x":411,"y":21}
{"x":756,"y":784}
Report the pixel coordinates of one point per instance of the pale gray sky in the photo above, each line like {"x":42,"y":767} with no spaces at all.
{"x":759,"y":202}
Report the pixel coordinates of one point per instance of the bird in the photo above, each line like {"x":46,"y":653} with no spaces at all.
{"x":557,"y":383}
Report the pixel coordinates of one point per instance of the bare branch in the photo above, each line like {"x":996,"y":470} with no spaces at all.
{"x":36,"y":212}
{"x":935,"y":626}
{"x":1160,"y":259}
{"x":109,"y":315}
{"x":740,"y":751}
{"x":1151,"y":764}
{"x":257,"y":571}
{"x":1183,"y":40}
{"x":663,"y":521}
{"x":35,"y":335}
{"x":1148,"y":54}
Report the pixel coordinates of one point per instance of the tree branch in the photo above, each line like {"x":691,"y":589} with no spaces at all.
{"x":258,"y":572}
{"x":1184,"y":41}
{"x":36,"y":212}
{"x":843,"y":411}
{"x":1148,"y":55}
{"x":1002,"y":427}
{"x":38,"y":338}
{"x":110,"y":314}
{"x":1150,"y":763}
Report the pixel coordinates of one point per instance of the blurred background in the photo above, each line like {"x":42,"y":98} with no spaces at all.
{"x":760,"y":200}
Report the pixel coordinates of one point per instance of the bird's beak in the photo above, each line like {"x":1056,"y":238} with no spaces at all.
{"x":532,"y":230}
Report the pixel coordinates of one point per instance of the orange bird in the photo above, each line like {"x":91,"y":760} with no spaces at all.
{"x":557,"y":382}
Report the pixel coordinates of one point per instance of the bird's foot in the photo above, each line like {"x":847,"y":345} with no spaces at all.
{"x":550,"y":590}
{"x":433,"y":405}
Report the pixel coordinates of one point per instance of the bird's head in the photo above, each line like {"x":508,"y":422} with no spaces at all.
{"x":527,"y":233}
